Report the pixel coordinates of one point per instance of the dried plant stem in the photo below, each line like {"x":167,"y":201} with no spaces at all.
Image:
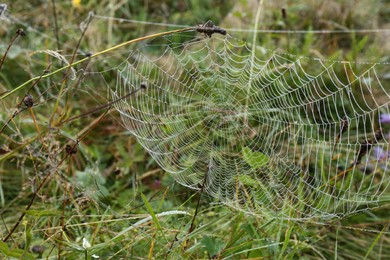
{"x":17,"y":109}
{"x":192,"y":227}
{"x":48,"y":175}
{"x":53,"y":4}
{"x":254,"y":39}
{"x":18,"y":33}
{"x":32,"y":200}
{"x":95,"y":55}
{"x":35,"y":120}
{"x":102,"y":107}
{"x":70,"y":66}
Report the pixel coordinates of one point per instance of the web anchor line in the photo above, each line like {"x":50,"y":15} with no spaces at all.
{"x":232,"y":29}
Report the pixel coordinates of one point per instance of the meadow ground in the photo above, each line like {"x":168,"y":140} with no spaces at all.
{"x":86,"y":188}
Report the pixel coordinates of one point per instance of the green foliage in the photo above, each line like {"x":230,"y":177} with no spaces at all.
{"x":111,"y":183}
{"x":14,"y":253}
{"x":212,"y":245}
{"x":255,"y":159}
{"x":151,"y":212}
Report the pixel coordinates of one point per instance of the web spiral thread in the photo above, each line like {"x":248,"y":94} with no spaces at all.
{"x":273,"y":134}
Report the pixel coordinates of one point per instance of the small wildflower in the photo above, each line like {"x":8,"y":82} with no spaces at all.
{"x":76,"y":3}
{"x":86,"y":244}
{"x":384,"y":118}
{"x":379,"y":153}
{"x":38,"y":249}
{"x":156,"y":184}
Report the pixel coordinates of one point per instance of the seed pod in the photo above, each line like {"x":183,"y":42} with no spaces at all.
{"x":20,"y":32}
{"x":143,"y":85}
{"x":28,"y":101}
{"x":70,"y":149}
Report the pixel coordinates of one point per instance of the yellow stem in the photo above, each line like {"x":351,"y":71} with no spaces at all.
{"x":95,"y":55}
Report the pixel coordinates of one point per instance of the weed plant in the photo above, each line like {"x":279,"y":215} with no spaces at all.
{"x":75,"y":184}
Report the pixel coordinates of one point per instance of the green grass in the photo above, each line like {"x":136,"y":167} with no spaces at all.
{"x":110,"y":199}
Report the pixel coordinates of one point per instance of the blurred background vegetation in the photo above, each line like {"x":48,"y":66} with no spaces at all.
{"x":111,"y":183}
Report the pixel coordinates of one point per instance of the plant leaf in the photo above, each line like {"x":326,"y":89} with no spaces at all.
{"x":255,"y":159}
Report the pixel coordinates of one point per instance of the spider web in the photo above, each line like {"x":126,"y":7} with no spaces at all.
{"x":269,"y":133}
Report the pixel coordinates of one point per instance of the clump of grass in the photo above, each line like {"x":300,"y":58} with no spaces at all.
{"x":74,"y":184}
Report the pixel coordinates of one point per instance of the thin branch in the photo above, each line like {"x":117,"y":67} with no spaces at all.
{"x":102,"y":107}
{"x":18,"y":33}
{"x":17,"y":108}
{"x":53,"y":4}
{"x":48,"y":175}
{"x":95,"y":55}
{"x":32,"y":199}
{"x":192,"y":227}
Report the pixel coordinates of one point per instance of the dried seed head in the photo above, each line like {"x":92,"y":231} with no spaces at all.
{"x":378,"y":135}
{"x":28,"y":101}
{"x":20,"y":32}
{"x":143,"y":85}
{"x":70,"y":149}
{"x":284,"y":13}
